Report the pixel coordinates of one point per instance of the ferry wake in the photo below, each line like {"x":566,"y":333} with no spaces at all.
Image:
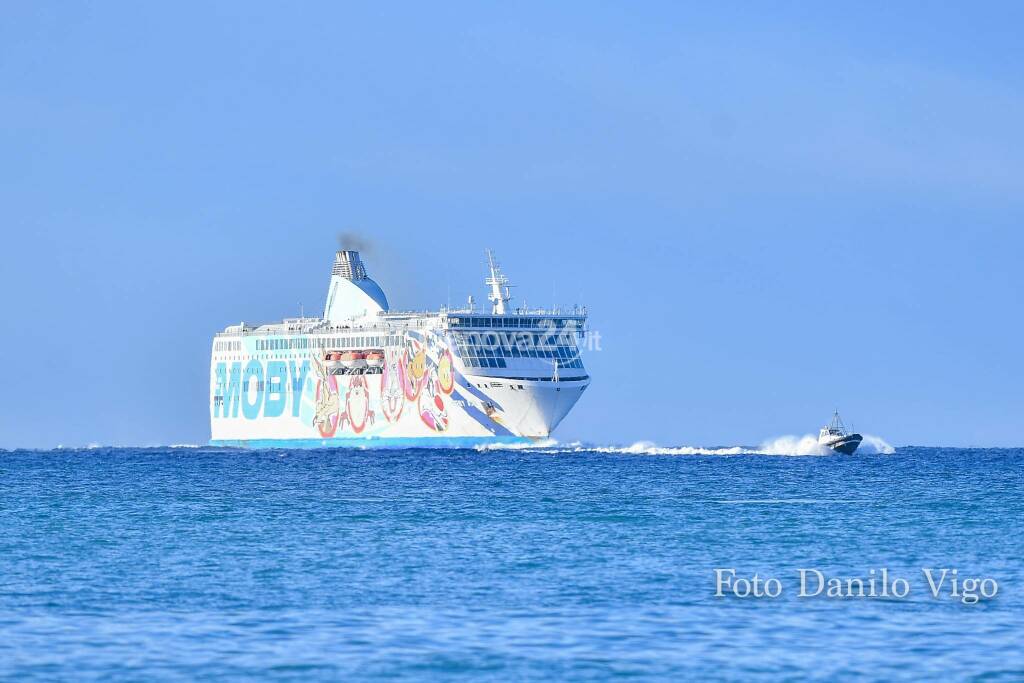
{"x":364,"y":375}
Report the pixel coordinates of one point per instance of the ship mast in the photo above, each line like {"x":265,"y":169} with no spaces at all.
{"x":500,"y":293}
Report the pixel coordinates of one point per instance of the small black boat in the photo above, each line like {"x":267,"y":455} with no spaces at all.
{"x":835,"y":436}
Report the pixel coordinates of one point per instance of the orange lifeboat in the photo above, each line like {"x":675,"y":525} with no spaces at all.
{"x":332,"y":359}
{"x":375,"y":358}
{"x":353,"y":359}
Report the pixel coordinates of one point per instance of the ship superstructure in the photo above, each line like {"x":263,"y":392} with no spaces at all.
{"x":364,"y":375}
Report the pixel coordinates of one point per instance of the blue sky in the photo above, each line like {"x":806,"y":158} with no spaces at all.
{"x":771,"y":210}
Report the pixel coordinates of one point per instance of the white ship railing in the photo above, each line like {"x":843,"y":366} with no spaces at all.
{"x":410,"y":320}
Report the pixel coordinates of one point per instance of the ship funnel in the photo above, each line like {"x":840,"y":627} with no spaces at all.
{"x":348,"y":265}
{"x":352,"y":294}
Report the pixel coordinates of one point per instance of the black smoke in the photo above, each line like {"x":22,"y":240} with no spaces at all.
{"x":353,"y":241}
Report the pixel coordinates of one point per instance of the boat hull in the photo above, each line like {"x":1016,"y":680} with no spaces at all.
{"x":845,"y":444}
{"x":423,"y":394}
{"x":377,"y":443}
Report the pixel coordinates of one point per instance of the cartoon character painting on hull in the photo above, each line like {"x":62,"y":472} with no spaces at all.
{"x":491,"y":411}
{"x":415,"y":363}
{"x":445,"y":372}
{"x":431,"y":405}
{"x":357,"y":404}
{"x":392,"y":395}
{"x":328,"y":401}
{"x":414,"y":390}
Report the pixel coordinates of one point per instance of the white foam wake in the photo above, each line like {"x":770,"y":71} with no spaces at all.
{"x":529,"y":446}
{"x":781,"y":445}
{"x":876,"y":444}
{"x":793,"y":445}
{"x":650,"y":448}
{"x":552,"y":446}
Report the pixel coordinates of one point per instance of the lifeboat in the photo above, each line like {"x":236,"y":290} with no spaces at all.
{"x":332,"y":359}
{"x":375,"y":358}
{"x":353,"y":359}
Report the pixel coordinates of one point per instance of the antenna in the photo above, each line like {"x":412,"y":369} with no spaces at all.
{"x":497,"y":282}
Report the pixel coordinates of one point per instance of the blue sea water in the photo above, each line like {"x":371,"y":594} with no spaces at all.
{"x":556,"y":563}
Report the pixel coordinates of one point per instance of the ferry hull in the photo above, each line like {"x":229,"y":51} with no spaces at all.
{"x":376,"y":443}
{"x":422,"y":396}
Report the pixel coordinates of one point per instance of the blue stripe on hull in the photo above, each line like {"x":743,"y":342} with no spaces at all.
{"x":396,"y":442}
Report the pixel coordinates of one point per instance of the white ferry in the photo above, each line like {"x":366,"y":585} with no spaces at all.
{"x":363,"y":375}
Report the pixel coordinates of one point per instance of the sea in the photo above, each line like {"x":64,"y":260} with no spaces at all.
{"x":560,"y":562}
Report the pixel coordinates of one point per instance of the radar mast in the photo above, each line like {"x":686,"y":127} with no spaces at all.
{"x":500,"y":293}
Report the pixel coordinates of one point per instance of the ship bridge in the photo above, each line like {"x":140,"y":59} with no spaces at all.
{"x":535,"y":343}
